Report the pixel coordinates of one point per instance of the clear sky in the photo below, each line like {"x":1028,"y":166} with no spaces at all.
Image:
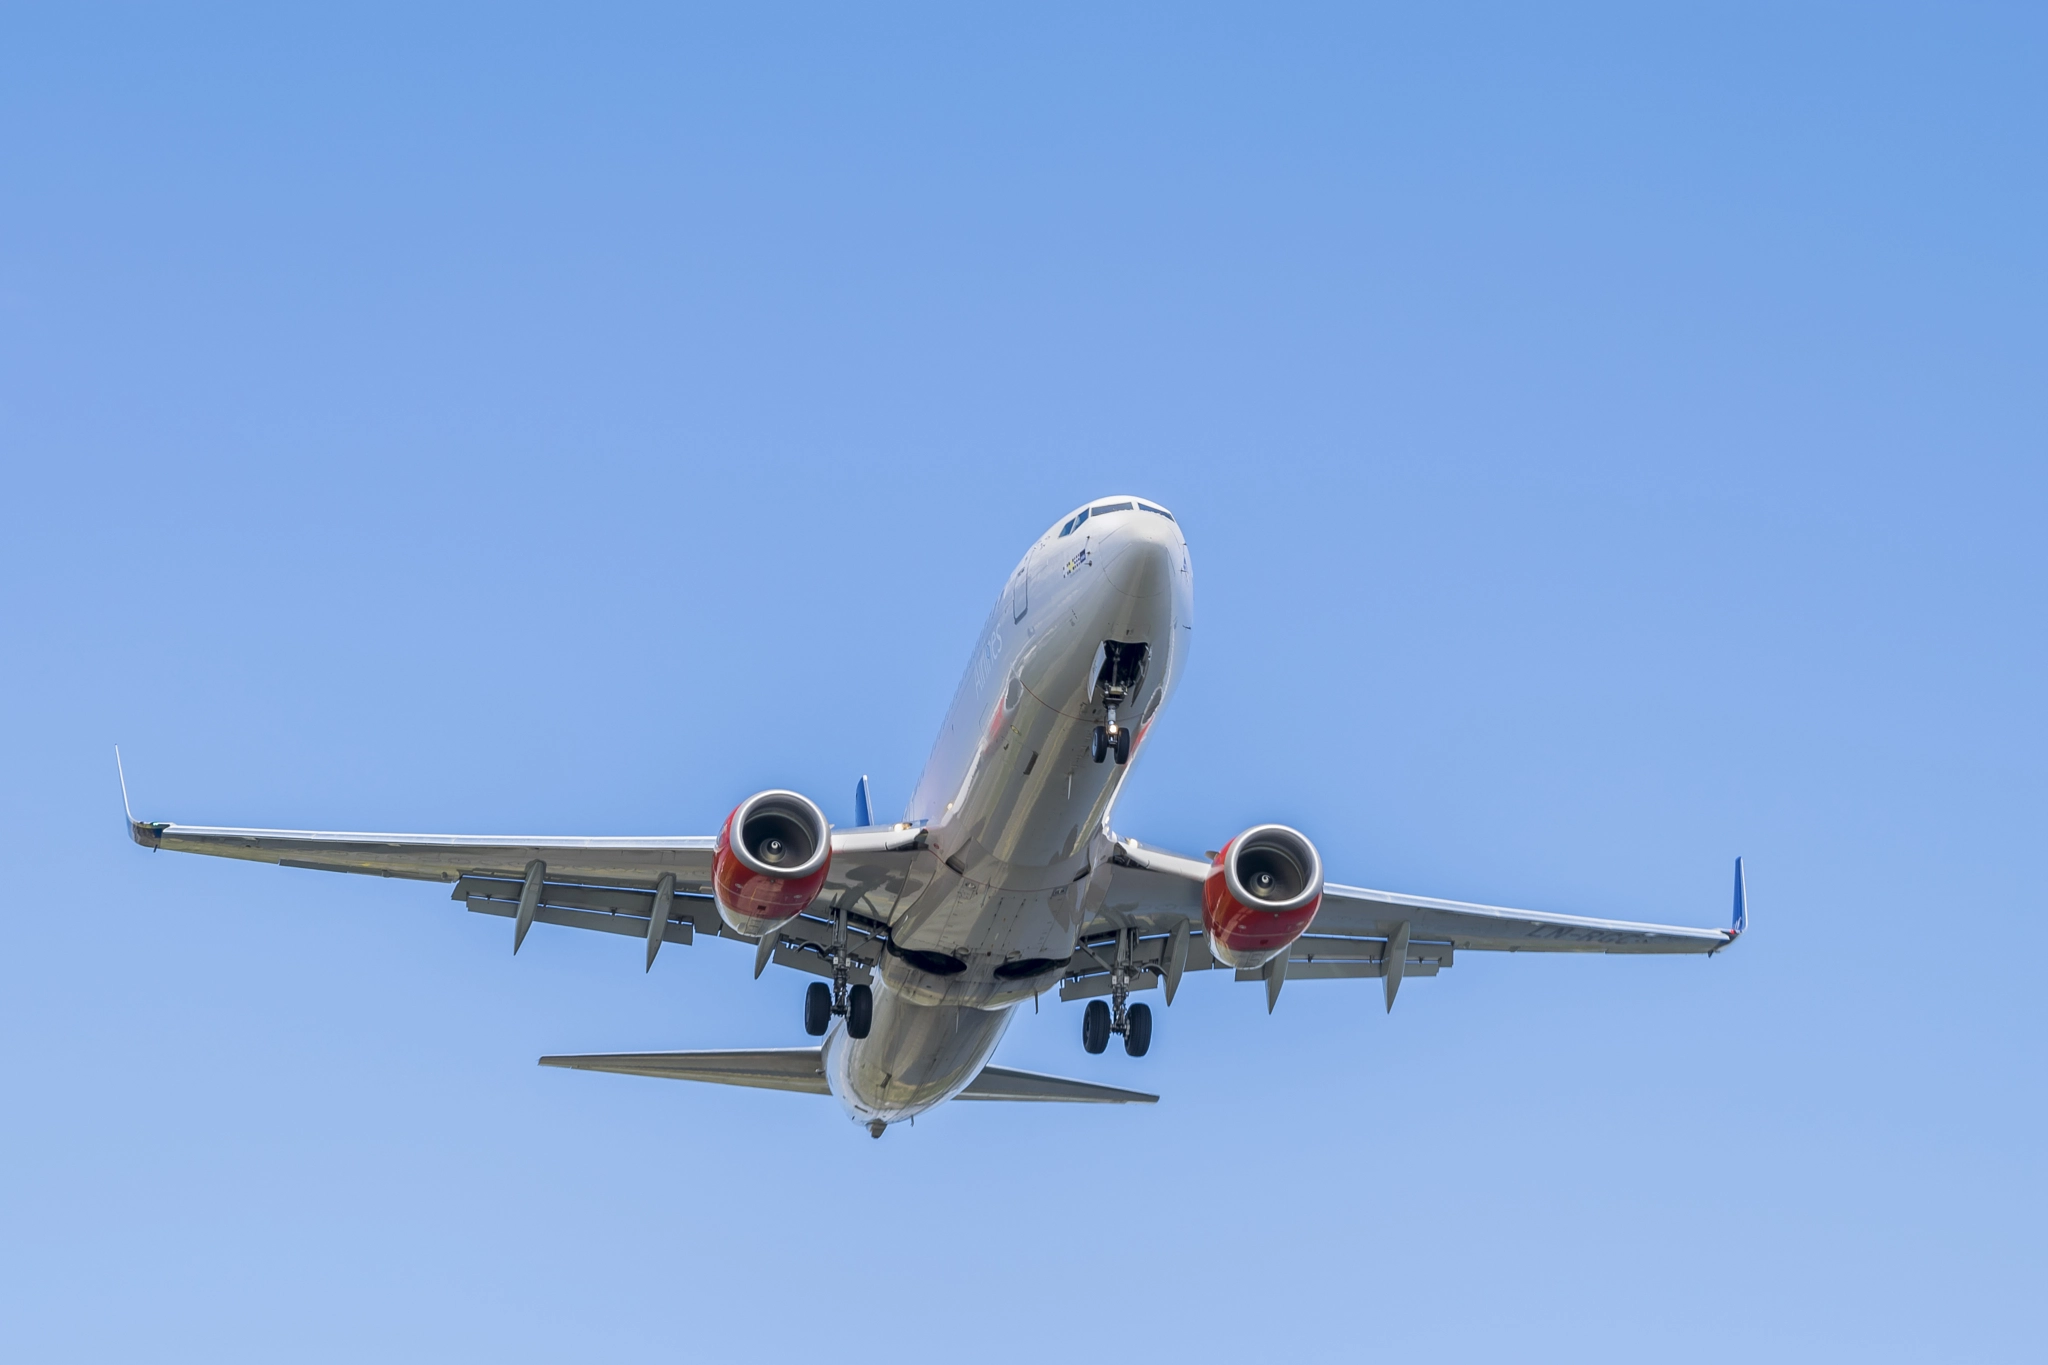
{"x":1610,"y":442}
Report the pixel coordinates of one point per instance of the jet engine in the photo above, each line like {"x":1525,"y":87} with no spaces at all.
{"x":1260,"y":894}
{"x":771,"y":862}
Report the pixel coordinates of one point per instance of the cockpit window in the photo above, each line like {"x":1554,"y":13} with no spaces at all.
{"x":1103,"y":509}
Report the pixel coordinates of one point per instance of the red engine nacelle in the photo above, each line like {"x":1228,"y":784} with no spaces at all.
{"x":772,"y":858}
{"x":1261,"y":892}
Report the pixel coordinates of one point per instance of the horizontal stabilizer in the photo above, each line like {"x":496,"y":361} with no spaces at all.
{"x":1001,"y":1083}
{"x":774,"y":1068}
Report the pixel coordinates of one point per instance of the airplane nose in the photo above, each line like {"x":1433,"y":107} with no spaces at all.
{"x":1145,"y":557}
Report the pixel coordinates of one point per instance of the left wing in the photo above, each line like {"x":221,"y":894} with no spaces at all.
{"x":1149,"y":923}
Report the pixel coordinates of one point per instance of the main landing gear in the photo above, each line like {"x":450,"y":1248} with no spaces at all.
{"x":853,"y":1003}
{"x":1097,"y":1023}
{"x":857,"y":1007}
{"x":1103,"y":1018}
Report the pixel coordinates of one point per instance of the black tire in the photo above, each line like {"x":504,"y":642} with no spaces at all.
{"x":1138,"y":1030}
{"x":1123,"y":746}
{"x":1095,"y":1026}
{"x":1098,"y":748}
{"x":817,"y":1009}
{"x":860,"y":1011}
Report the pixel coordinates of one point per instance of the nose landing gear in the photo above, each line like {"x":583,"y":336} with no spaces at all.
{"x":1111,"y":739}
{"x":1123,"y":664}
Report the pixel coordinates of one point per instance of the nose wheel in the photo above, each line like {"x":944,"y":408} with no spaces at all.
{"x":1111,"y":740}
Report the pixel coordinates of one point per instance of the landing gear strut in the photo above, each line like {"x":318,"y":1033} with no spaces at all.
{"x":1133,"y":1022}
{"x":853,"y":1003}
{"x":1123,"y":663}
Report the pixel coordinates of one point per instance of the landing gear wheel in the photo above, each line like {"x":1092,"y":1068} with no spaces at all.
{"x":860,"y":1011}
{"x":1099,"y":748}
{"x":1123,"y":746}
{"x":1095,"y":1026}
{"x":1138,"y":1030}
{"x":817,"y":1009}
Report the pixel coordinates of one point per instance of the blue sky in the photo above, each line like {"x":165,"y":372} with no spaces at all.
{"x":1609,"y":441}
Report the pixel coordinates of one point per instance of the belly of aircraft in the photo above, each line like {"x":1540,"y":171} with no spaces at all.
{"x":996,"y":902}
{"x":915,"y":1056}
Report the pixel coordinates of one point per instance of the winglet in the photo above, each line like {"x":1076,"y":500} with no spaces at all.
{"x":142,"y":832}
{"x":1741,"y":920}
{"x":863,"y":813}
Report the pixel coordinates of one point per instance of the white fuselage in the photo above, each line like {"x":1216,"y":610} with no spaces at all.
{"x":1015,"y":807}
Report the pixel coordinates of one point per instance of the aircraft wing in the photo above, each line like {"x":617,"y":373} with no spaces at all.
{"x":1355,"y":912}
{"x":1157,"y":896}
{"x":613,"y":885}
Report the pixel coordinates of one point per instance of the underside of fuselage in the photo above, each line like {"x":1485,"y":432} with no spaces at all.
{"x":1092,"y":633}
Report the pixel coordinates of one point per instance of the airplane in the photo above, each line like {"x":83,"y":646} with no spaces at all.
{"x":1004,"y":880}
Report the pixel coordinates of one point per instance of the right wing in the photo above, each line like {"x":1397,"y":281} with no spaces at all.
{"x":445,"y":857}
{"x":606,"y":884}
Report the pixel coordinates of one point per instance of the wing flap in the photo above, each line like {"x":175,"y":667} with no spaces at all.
{"x":678,"y":930}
